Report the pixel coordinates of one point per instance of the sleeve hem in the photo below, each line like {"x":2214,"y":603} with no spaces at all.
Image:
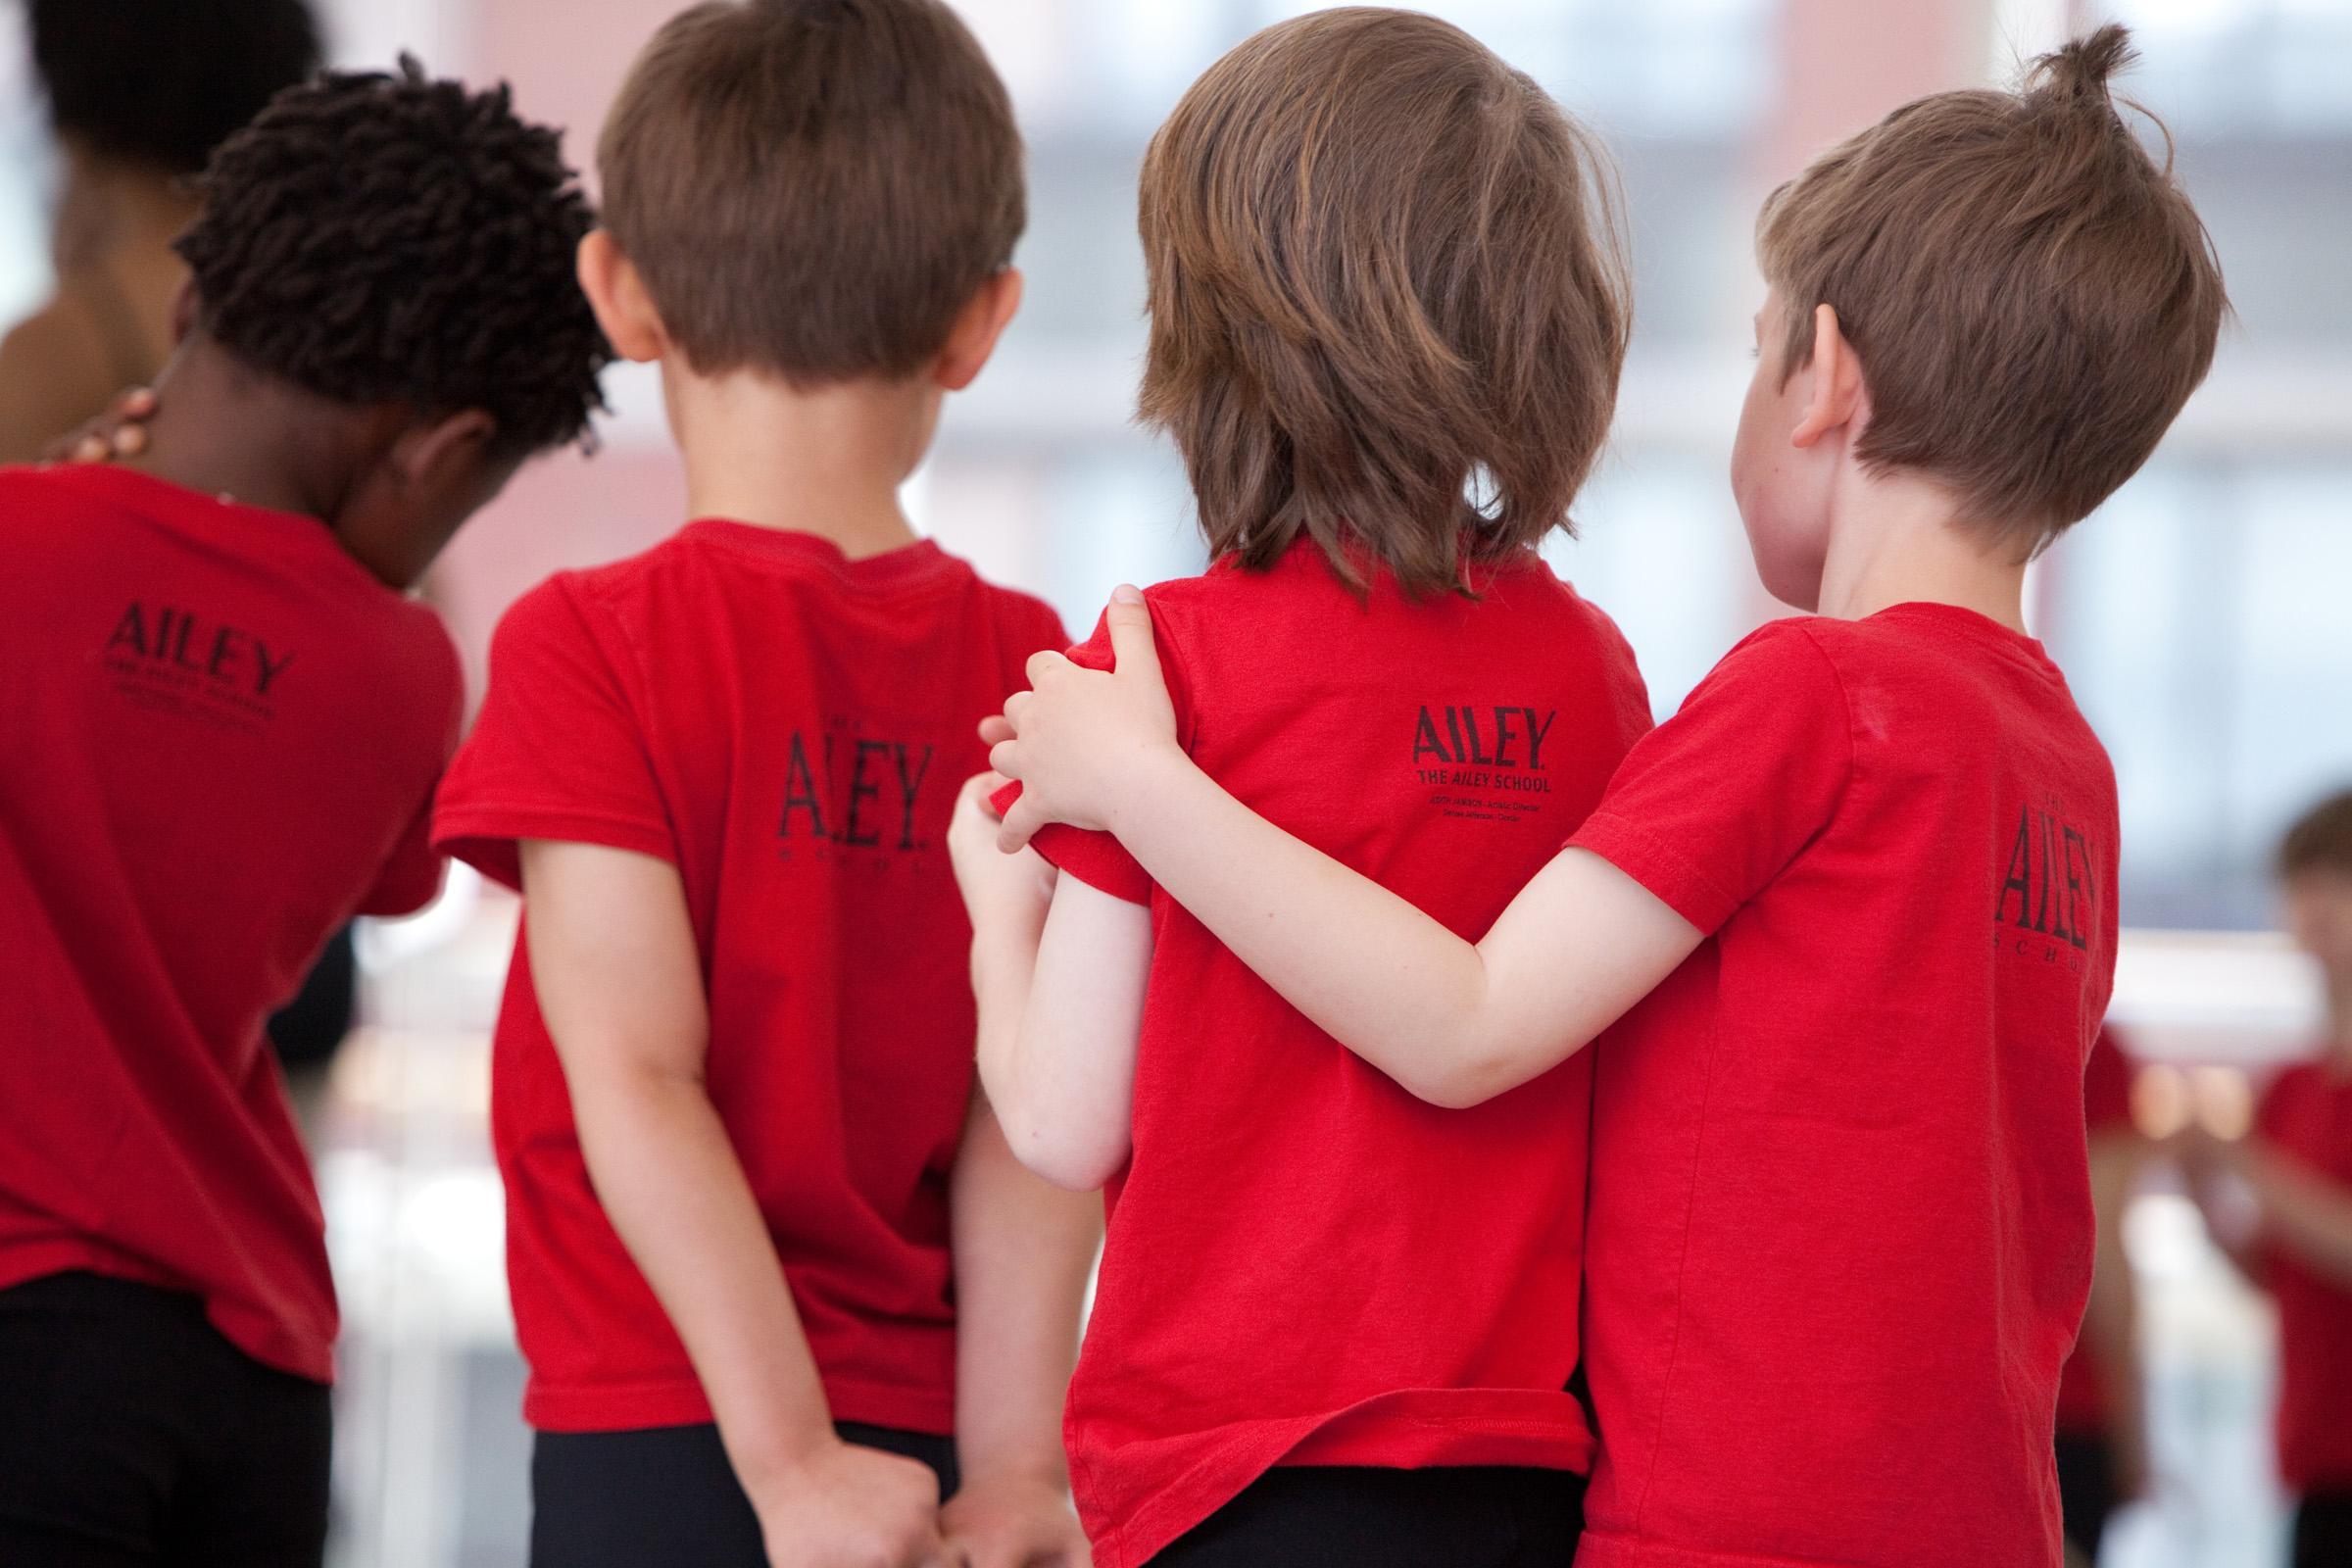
{"x":404,"y":898}
{"x":1124,"y":882}
{"x":487,"y":837}
{"x":1668,"y":875}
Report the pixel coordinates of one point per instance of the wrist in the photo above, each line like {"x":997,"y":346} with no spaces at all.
{"x":1140,"y":787}
{"x":783,"y":1458}
{"x":1041,"y":1468}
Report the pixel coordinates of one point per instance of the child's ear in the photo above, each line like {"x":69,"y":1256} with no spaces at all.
{"x":426,"y":478}
{"x":623,"y":307}
{"x":1834,"y":396}
{"x":184,"y":309}
{"x":974,"y":336}
{"x":443,"y":451}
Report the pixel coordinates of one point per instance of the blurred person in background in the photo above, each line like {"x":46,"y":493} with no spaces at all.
{"x":2102,"y":1419}
{"x":139,"y":94}
{"x":2279,"y":1201}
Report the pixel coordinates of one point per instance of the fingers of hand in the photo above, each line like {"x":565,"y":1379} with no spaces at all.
{"x":1020,"y":825}
{"x":1133,"y":647}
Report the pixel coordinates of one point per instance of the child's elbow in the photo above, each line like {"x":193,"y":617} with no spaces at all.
{"x":1455,"y":1085}
{"x":1073,"y":1160}
{"x":1478,"y":1071}
{"x":1073,"y":1170}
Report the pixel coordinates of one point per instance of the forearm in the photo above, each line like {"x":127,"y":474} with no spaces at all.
{"x":2111,"y":1327}
{"x":1023,"y":1250}
{"x":2305,"y":1214}
{"x":1394,"y":986}
{"x":668,"y":1178}
{"x":1004,"y":973}
{"x":1060,"y":1074}
{"x":2111,"y":1320}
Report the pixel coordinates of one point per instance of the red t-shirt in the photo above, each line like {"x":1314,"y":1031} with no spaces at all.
{"x":1840,"y":1225}
{"x":2306,"y":1115}
{"x":223,"y":741}
{"x":1306,"y":1264}
{"x":789,"y":728}
{"x":2107,"y":1111}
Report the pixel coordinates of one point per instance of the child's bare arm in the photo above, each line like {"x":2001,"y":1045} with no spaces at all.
{"x":1453,"y":1023}
{"x":2212,"y":1171}
{"x":2111,"y":1320}
{"x":1059,"y":968}
{"x":618,"y":980}
{"x":2303,"y":1213}
{"x":1023,"y":1249}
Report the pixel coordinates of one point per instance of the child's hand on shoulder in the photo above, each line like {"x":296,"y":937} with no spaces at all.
{"x":1083,"y":741}
{"x":853,"y":1507}
{"x":999,"y":889}
{"x":119,"y":432}
{"x":1014,"y":1522}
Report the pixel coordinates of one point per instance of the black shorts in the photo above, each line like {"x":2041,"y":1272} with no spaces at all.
{"x":309,"y":1030}
{"x":2324,"y":1530}
{"x":2086,"y":1490}
{"x":667,"y":1495}
{"x":133,"y":1434}
{"x":1343,"y":1516}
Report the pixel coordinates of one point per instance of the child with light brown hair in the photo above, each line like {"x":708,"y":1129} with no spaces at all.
{"x":786,"y":1297}
{"x":1336,"y":1324}
{"x":1840,"y":1226}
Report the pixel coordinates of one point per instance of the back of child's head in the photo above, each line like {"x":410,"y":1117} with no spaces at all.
{"x":2030,"y":295}
{"x":1388,"y":300}
{"x":391,"y":240}
{"x":2314,"y":867}
{"x":162,"y":86}
{"x":814,"y":189}
{"x":2321,"y":840}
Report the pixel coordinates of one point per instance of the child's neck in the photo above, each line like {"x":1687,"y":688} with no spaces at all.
{"x":827,"y":461}
{"x":222,"y":429}
{"x":1892,"y":541}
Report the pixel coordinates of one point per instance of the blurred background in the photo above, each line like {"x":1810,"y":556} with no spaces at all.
{"x":2203,"y":616}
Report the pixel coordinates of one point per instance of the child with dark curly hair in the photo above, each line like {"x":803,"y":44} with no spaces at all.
{"x":226,"y":722}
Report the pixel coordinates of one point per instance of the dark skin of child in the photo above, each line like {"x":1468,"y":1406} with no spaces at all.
{"x":392,"y":483}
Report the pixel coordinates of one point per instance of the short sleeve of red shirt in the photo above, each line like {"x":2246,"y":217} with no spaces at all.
{"x":1714,"y":803}
{"x":411,"y":878}
{"x":1097,"y":859}
{"x":558,"y":751}
{"x":2107,"y":1087}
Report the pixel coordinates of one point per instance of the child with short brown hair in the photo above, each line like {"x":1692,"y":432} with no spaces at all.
{"x":779,"y":1279}
{"x":2296,"y":1167}
{"x":1840,"y":1234}
{"x":1335,"y":1325}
